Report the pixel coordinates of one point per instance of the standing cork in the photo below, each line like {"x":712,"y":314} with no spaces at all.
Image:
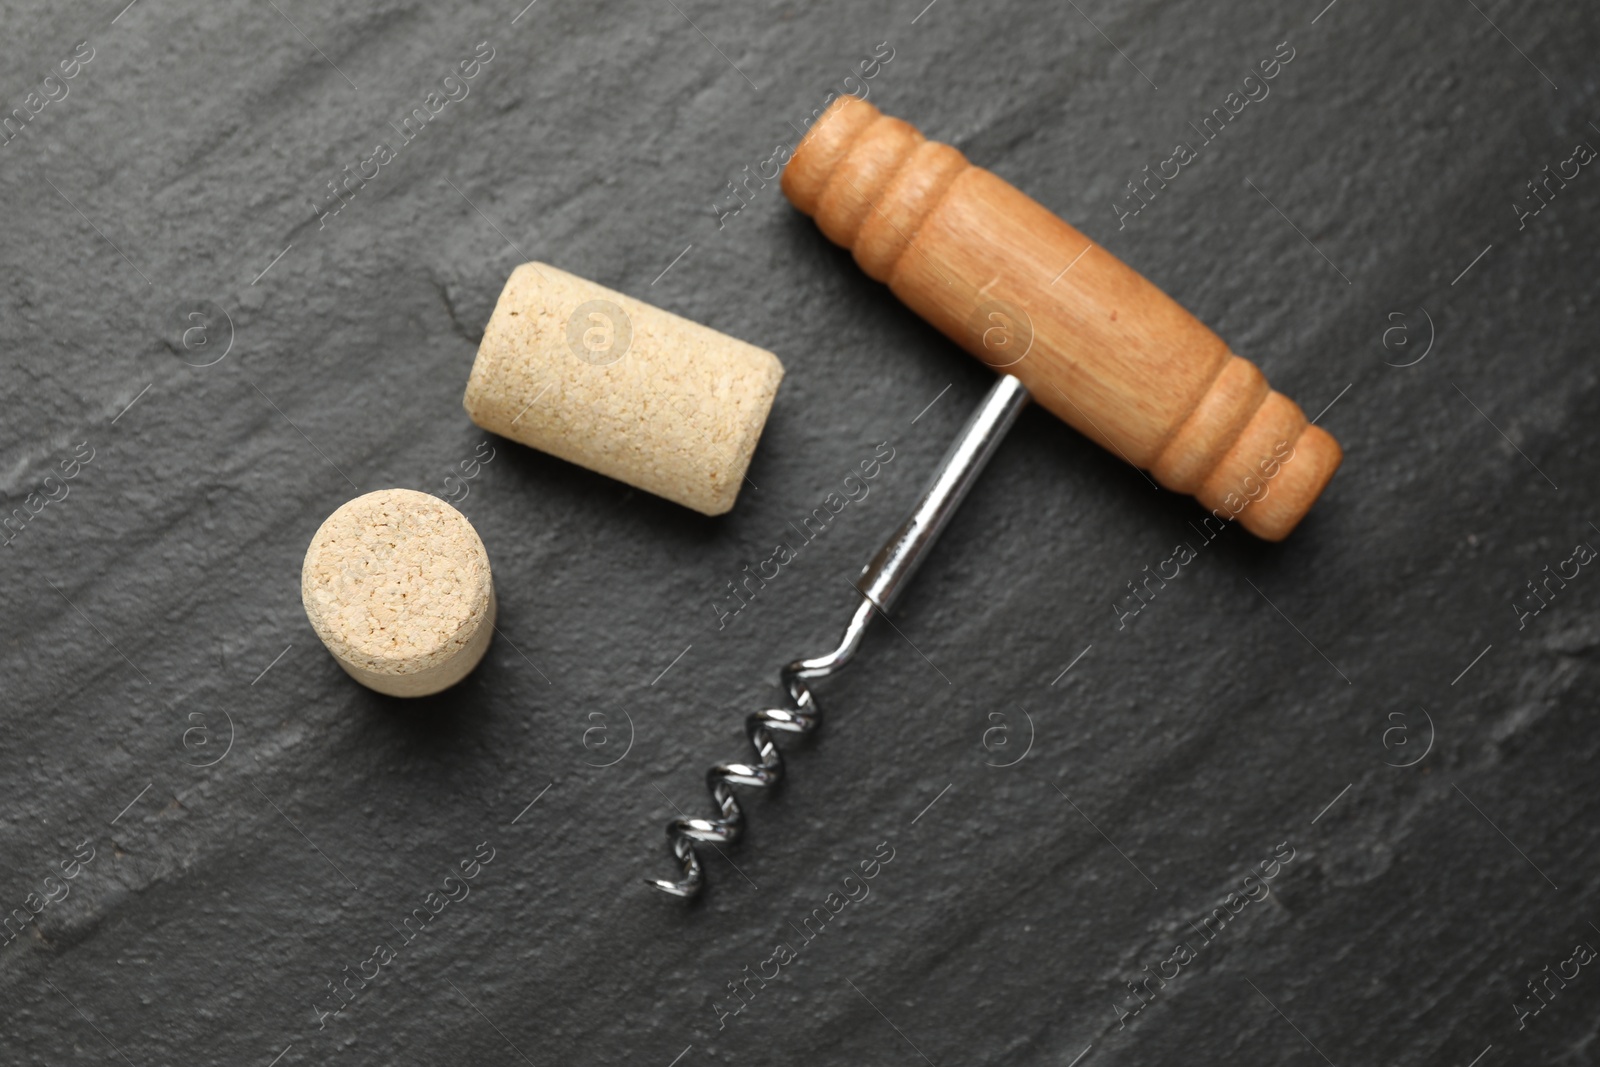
{"x":625,"y":389}
{"x":396,"y":583}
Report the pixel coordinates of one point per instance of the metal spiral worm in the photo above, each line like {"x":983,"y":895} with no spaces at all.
{"x":803,"y":718}
{"x":882,"y":581}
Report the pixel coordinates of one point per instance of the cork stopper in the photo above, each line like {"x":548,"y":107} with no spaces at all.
{"x":623,"y":388}
{"x":396,"y":583}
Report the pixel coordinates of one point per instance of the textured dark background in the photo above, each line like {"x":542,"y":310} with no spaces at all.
{"x":142,"y":612}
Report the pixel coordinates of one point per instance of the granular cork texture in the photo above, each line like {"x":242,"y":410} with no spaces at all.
{"x":622,"y":388}
{"x":397,"y":585}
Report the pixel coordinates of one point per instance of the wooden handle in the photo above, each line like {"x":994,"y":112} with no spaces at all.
{"x":1095,"y":343}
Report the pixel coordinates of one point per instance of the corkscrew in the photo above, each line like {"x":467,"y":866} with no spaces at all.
{"x":1100,"y":347}
{"x":881,"y":583}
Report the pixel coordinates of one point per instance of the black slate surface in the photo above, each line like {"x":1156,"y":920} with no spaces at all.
{"x":258,"y":823}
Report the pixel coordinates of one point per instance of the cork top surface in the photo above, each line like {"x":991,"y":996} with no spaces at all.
{"x":396,"y":582}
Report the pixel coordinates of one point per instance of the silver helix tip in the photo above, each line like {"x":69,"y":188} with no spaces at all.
{"x":802,"y":718}
{"x":683,"y":849}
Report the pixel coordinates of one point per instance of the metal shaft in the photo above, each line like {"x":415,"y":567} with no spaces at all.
{"x":880,"y":584}
{"x":884,"y":578}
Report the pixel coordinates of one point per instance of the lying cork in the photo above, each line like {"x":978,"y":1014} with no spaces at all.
{"x":397,"y":585}
{"x":622,"y":388}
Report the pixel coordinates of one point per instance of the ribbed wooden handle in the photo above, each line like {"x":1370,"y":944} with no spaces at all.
{"x":1094,"y":342}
